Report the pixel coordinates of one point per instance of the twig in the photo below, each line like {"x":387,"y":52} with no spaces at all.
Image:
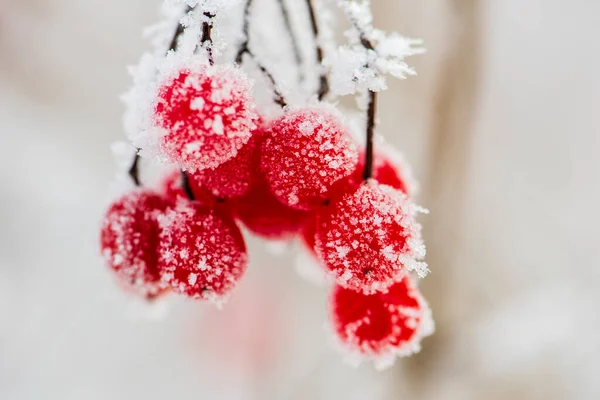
{"x":323,"y":81}
{"x":206,"y":39}
{"x":368,"y":172}
{"x":244,"y":48}
{"x":185,"y":183}
{"x":371,"y":111}
{"x":288,"y":25}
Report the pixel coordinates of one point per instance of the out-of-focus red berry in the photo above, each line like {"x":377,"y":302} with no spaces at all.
{"x":129,"y":241}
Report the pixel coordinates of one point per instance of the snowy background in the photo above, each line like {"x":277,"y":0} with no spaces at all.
{"x":503,"y":130}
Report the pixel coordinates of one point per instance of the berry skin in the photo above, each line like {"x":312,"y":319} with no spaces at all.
{"x":129,"y":241}
{"x":207,"y":113}
{"x":202,"y":253}
{"x":381,"y":326}
{"x":306,"y":151}
{"x":266,"y":216}
{"x":386,"y":171}
{"x":237,"y":175}
{"x":369,"y":238}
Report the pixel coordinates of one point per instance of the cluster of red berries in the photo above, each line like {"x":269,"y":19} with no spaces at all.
{"x":297,"y":175}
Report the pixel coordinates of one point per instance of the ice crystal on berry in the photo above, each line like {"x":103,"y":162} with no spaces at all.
{"x":305,"y":153}
{"x":381,"y":326}
{"x":207,"y":113}
{"x":129,"y":240}
{"x":370,"y":238}
{"x":202,"y":252}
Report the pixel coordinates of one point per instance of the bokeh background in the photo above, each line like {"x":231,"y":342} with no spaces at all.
{"x":501,"y":126}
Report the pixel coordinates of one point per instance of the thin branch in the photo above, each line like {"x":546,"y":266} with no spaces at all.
{"x":185,"y":183}
{"x":371,"y":111}
{"x":323,"y":81}
{"x":206,"y":39}
{"x":296,"y":49}
{"x":244,"y":48}
{"x":368,"y":172}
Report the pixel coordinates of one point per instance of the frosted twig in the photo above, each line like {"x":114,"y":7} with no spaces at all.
{"x":244,"y":48}
{"x":206,"y":39}
{"x":323,"y":81}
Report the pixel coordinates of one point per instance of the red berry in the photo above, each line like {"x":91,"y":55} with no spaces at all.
{"x":129,"y":241}
{"x":306,"y":151}
{"x":237,"y":175}
{"x":370,"y":238}
{"x":387,"y":170}
{"x":208,"y":115}
{"x":202,"y":252}
{"x":266,"y":216}
{"x":381,"y":326}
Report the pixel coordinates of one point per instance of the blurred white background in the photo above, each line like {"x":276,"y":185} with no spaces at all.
{"x":502,"y":127}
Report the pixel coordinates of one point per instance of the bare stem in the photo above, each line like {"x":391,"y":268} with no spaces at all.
{"x":185,"y":183}
{"x":244,"y":48}
{"x":323,"y":81}
{"x":368,"y":172}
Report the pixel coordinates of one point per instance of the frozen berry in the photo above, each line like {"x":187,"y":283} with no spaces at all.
{"x":370,"y":238}
{"x":381,"y":326}
{"x":305,"y":152}
{"x":266,"y":216}
{"x":387,"y":170}
{"x":237,"y":175}
{"x":207,"y":113}
{"x":202,"y":253}
{"x":129,"y":240}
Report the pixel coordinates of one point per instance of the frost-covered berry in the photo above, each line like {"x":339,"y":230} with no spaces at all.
{"x":305,"y":152}
{"x":208,"y":114}
{"x":369,"y":238}
{"x":387,"y":171}
{"x":202,"y":252}
{"x":129,"y":241}
{"x":237,"y":175}
{"x":381,"y":326}
{"x":266,"y":216}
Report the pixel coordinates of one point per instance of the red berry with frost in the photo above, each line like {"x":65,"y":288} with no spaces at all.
{"x":266,"y":216}
{"x":208,"y":114}
{"x":369,"y":238}
{"x":237,"y":175}
{"x":129,"y":241}
{"x":381,"y":326}
{"x":202,"y":253}
{"x":387,"y":170}
{"x":305,"y":152}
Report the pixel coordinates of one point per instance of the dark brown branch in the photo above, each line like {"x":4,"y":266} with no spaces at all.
{"x":244,"y":48}
{"x":206,"y":39}
{"x":323,"y":81}
{"x":296,"y":49}
{"x":185,"y":183}
{"x":368,"y":172}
